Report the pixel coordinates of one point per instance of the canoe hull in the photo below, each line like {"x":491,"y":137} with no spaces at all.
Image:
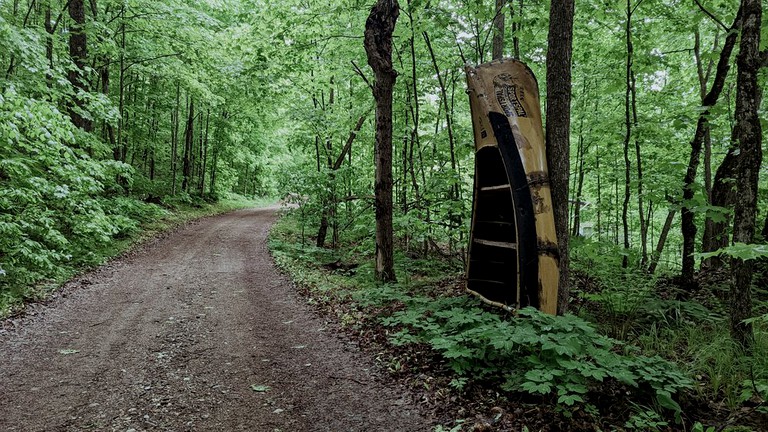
{"x":513,"y":256}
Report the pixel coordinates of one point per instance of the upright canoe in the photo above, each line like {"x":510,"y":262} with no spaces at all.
{"x":513,"y":255}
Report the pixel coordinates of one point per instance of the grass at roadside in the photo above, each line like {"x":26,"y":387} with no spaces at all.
{"x":134,"y":222}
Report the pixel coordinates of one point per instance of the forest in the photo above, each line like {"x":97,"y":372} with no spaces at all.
{"x":117,"y":113}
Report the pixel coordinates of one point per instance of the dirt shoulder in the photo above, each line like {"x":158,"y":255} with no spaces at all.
{"x":196,"y":332}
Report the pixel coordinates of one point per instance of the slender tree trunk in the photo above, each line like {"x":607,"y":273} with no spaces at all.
{"x":329,"y":203}
{"x":516,"y":27}
{"x":688,"y":221}
{"x":448,"y":120}
{"x":204,"y":156}
{"x":639,"y":163}
{"x":662,"y":241}
{"x":118,"y":149}
{"x":724,"y":196}
{"x":378,"y":46}
{"x":498,"y":30}
{"x":628,"y":134}
{"x":575,"y":227}
{"x":175,"y":139}
{"x":599,"y":193}
{"x":152,"y":151}
{"x":49,"y":38}
{"x":750,"y":158}
{"x":218,"y":137}
{"x":414,"y":109}
{"x":559,"y":52}
{"x":78,"y":51}
{"x":189,"y":134}
{"x":404,"y":166}
{"x":703,"y":80}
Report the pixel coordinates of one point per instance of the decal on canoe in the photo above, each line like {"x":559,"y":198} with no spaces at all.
{"x":509,"y":95}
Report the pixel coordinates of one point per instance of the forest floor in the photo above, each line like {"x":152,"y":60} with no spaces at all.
{"x":195,"y":330}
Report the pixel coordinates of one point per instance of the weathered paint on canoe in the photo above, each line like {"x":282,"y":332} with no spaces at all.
{"x":506,"y":117}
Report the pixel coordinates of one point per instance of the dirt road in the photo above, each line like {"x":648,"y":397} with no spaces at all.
{"x":195,"y":332}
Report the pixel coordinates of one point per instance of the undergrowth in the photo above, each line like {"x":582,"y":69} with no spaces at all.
{"x":565,"y":361}
{"x":689,"y":328}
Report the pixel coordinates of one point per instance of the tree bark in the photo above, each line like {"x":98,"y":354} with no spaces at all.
{"x":188,"y":142}
{"x":78,"y":51}
{"x":576,"y":226}
{"x":559,"y":54}
{"x":378,"y":47}
{"x":662,"y":241}
{"x":204,"y":156}
{"x":322,"y":232}
{"x":414,"y":109}
{"x":750,"y":157}
{"x":448,"y":119}
{"x":498,"y":30}
{"x":628,"y":134}
{"x":723,"y":195}
{"x":175,"y":139}
{"x":688,"y":223}
{"x":516,"y":27}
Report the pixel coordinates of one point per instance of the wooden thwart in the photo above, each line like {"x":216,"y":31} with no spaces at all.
{"x":506,"y":245}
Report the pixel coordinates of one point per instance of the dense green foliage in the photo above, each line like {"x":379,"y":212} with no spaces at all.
{"x":69,"y":195}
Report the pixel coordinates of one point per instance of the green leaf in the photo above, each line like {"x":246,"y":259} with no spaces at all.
{"x":569,"y":399}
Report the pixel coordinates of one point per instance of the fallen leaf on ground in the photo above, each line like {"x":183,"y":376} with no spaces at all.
{"x":259,"y":388}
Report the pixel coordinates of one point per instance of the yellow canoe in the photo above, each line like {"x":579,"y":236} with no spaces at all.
{"x":513,"y":256}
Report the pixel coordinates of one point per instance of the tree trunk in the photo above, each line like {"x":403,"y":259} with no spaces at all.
{"x":117,"y":149}
{"x":448,"y":120}
{"x":662,"y":241}
{"x":49,"y":29}
{"x":576,"y":226}
{"x":333,"y":202}
{"x":559,"y":52}
{"x":498,"y":30}
{"x":688,"y":222}
{"x":78,"y":51}
{"x":218,"y":138}
{"x":516,"y":26}
{"x":329,"y":204}
{"x":175,"y":139}
{"x":414,"y":109}
{"x":599,"y":193}
{"x":188,"y":142}
{"x":628,"y":134}
{"x":378,"y":46}
{"x":204,"y":155}
{"x":703,"y":80}
{"x":723,"y":195}
{"x":750,"y":157}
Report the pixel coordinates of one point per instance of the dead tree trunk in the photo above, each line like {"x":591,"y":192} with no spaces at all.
{"x":378,"y":46}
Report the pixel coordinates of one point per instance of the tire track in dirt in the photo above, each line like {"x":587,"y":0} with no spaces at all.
{"x":172,"y":338}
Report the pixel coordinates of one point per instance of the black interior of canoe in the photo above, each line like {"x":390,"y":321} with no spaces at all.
{"x":503,"y":225}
